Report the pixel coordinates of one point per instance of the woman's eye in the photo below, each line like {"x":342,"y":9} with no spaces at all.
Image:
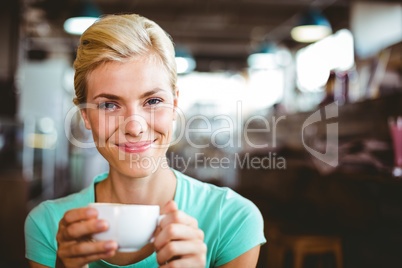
{"x":108,"y":106}
{"x":154,"y":101}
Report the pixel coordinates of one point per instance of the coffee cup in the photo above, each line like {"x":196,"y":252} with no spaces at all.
{"x":131,"y":226}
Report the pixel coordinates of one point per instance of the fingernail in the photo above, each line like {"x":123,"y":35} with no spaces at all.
{"x":101,"y":224}
{"x":110,"y":245}
{"x":91,"y":212}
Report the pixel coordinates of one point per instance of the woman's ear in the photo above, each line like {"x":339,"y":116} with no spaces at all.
{"x":85,"y":117}
{"x":175,"y":103}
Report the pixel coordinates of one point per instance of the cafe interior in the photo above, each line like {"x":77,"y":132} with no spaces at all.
{"x":294,"y":104}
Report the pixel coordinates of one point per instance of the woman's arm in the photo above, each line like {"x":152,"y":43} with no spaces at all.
{"x":33,"y":264}
{"x":246,"y":260}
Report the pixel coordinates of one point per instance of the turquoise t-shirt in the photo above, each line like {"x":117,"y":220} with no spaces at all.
{"x":231,"y":223}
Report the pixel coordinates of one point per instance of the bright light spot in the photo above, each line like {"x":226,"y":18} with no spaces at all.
{"x":312,"y":71}
{"x":310,"y":33}
{"x":218,"y":89}
{"x":68,"y":79}
{"x":265,"y":88}
{"x":220,"y":93}
{"x":78,"y":25}
{"x":46,"y":125}
{"x":314,"y":62}
{"x":343,"y":41}
{"x":262,"y":61}
{"x":185,"y":65}
{"x":277,"y":57}
{"x":41,"y":141}
{"x":283,"y":57}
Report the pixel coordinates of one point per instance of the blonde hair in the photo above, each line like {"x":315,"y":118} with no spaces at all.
{"x":120,"y":38}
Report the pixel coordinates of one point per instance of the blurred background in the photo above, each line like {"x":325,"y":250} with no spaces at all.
{"x":264,"y":67}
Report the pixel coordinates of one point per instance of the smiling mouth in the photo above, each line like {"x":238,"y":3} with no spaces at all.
{"x":135,"y":147}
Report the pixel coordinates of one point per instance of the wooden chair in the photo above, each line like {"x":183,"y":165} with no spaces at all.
{"x":301,"y":246}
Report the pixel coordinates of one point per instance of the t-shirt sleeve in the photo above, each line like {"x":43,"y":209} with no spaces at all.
{"x":39,"y":238}
{"x":241,"y":227}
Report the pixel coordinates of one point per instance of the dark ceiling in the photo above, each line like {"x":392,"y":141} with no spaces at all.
{"x":219,"y":33}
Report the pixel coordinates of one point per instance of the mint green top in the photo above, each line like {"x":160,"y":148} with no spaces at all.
{"x":231,"y":223}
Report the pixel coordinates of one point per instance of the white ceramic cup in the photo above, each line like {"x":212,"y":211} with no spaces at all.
{"x":131,"y":226}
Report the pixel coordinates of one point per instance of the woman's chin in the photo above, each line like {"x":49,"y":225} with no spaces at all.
{"x":135,"y":170}
{"x":136,"y":165}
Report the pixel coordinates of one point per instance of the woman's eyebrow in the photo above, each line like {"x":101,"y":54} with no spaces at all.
{"x":107,"y":96}
{"x":115,"y":97}
{"x":150,"y":93}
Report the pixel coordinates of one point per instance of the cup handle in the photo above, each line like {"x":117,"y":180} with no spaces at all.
{"x":160,"y":218}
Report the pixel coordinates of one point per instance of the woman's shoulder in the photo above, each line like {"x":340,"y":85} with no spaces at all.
{"x":232,"y":224}
{"x":224,"y":197}
{"x":55,"y":208}
{"x":192,"y":185}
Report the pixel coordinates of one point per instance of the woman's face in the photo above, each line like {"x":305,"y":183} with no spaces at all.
{"x":130,"y":112}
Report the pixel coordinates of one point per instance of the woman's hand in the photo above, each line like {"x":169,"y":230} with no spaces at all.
{"x":74,"y":246}
{"x":178,"y":241}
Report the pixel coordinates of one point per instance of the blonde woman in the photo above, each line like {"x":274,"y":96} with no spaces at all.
{"x":125,"y":84}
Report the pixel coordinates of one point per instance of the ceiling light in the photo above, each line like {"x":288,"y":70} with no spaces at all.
{"x":312,"y":27}
{"x":84,"y":15}
{"x":185,"y":63}
{"x":264,"y":57}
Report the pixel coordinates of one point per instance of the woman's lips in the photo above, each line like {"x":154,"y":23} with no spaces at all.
{"x":135,"y":147}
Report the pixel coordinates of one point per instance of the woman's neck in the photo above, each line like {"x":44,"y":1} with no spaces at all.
{"x":156,"y":189}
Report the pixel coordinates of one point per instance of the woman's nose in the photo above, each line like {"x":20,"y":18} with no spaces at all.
{"x":134,"y":125}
